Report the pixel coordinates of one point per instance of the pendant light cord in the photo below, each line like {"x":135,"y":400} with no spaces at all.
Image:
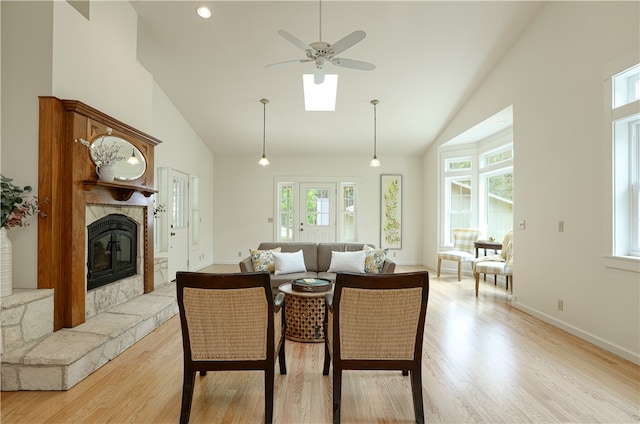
{"x":264,"y":125}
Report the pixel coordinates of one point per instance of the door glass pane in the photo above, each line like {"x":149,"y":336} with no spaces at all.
{"x":317,"y":213}
{"x":179,"y":212}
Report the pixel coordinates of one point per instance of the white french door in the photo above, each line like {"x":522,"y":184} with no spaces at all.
{"x":316,"y":212}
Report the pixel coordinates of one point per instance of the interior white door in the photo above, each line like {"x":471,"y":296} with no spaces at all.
{"x":317,"y":207}
{"x":178,"y":221}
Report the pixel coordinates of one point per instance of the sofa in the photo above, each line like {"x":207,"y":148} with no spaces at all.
{"x":317,"y":260}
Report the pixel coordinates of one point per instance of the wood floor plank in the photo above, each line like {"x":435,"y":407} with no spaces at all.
{"x":483,"y":361}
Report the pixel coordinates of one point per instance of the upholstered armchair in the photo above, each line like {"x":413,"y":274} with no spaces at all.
{"x":229,"y":322}
{"x":376,"y":322}
{"x":501,"y":264}
{"x":463,"y":249}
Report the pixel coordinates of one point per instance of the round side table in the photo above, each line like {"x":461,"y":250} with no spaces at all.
{"x":304,"y":313}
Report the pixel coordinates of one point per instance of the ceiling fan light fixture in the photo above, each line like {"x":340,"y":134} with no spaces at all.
{"x":263,"y":160}
{"x":375,"y":162}
{"x":320,"y":97}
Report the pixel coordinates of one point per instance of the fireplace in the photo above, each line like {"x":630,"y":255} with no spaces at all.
{"x":111,"y":250}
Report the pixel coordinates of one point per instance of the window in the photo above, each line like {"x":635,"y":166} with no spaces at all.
{"x":348,"y":212}
{"x":285,"y":212}
{"x":478,"y":187}
{"x":625,"y":124}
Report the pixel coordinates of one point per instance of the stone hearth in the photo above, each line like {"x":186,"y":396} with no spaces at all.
{"x":36,"y":358}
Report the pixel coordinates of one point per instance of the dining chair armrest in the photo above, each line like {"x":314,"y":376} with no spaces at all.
{"x":278,"y":302}
{"x":328,"y":300}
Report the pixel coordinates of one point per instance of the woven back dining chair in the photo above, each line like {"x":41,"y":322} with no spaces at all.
{"x":376,"y":322}
{"x":229,"y":322}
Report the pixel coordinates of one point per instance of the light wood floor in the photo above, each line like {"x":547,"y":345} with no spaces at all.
{"x":483,"y":362}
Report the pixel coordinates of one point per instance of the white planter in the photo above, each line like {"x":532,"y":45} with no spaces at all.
{"x":106,"y":172}
{"x":6,"y":259}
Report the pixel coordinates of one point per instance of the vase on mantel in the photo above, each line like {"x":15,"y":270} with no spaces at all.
{"x":106,"y":172}
{"x":6,"y":259}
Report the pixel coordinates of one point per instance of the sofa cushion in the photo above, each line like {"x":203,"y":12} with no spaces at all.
{"x":325,"y":249}
{"x":263,"y":260}
{"x":288,"y":263}
{"x":309,"y":251}
{"x":347,"y":261}
{"x":374,"y":261}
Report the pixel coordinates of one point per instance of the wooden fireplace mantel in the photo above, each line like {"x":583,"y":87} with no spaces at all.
{"x":67,"y":183}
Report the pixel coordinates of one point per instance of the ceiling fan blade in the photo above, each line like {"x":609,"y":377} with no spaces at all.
{"x":355,"y":64}
{"x":294,"y":40}
{"x":347,"y":41}
{"x":287,"y":62}
{"x":318,"y":75}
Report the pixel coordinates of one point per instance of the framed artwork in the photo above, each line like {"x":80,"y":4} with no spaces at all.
{"x":391,"y":211}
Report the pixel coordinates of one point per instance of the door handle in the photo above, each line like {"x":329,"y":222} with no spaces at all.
{"x":173,"y":234}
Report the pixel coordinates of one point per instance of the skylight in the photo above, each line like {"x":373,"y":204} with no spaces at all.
{"x":320,"y":97}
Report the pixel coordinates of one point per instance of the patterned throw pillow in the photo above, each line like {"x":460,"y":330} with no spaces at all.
{"x":374,"y":260}
{"x":263,"y":259}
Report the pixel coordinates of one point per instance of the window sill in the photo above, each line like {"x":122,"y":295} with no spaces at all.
{"x":626,"y":263}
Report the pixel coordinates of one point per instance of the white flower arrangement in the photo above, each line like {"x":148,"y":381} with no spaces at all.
{"x":103,"y":154}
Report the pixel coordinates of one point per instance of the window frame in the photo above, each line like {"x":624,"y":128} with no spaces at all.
{"x":623,"y":169}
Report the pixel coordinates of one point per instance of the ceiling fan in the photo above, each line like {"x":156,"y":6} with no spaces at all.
{"x":321,"y":52}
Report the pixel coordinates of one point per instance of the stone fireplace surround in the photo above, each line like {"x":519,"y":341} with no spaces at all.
{"x":38,"y":352}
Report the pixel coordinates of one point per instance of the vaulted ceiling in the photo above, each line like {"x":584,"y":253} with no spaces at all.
{"x":429,"y":56}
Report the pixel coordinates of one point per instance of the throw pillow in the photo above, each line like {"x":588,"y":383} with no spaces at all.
{"x":374,"y":261}
{"x":347,"y":261}
{"x":287,"y":263}
{"x":263,"y":259}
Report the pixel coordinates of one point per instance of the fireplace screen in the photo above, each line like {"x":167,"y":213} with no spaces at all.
{"x":112,"y":250}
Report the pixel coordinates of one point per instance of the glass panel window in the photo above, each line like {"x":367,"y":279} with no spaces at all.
{"x":459,"y":204}
{"x":180,"y":202}
{"x":285,"y":220}
{"x":458,"y":164}
{"x":348,"y":213}
{"x":498,"y":156}
{"x":317,"y":213}
{"x":499,"y":205}
{"x":626,"y":87}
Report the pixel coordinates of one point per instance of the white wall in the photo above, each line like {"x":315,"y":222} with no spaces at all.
{"x":48,"y":48}
{"x":553,"y":76}
{"x":245,"y":194}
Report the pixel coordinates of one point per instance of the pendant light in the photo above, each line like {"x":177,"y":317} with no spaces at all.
{"x":374,"y":162}
{"x":263,"y":160}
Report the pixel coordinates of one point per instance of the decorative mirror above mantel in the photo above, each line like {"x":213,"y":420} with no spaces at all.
{"x":131,"y":164}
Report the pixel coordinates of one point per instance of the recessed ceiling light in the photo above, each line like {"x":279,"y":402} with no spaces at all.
{"x":204,"y":12}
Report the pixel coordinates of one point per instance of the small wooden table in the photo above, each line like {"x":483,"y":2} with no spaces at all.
{"x":486,"y":244}
{"x":304,"y":313}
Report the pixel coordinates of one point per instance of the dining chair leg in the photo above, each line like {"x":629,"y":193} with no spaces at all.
{"x":477,"y":283}
{"x":282,"y":359}
{"x":187,"y":395}
{"x":439,"y":263}
{"x":459,"y":271}
{"x":416,"y":390}
{"x":268,"y":394}
{"x":337,"y":393}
